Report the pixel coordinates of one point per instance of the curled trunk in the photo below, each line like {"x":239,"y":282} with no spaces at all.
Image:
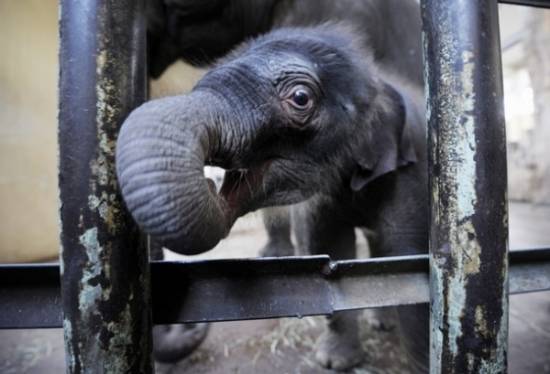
{"x":161,"y":152}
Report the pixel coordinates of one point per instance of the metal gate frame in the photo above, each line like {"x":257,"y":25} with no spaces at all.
{"x":103,"y":299}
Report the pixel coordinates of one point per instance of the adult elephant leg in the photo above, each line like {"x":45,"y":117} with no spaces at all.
{"x":172,"y":343}
{"x":277,"y":226}
{"x":319,"y":232}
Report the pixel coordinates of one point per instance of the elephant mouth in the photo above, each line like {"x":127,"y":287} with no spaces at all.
{"x":241,"y":187}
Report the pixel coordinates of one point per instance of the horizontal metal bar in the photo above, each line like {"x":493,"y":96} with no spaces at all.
{"x":535,"y":3}
{"x":238,"y":289}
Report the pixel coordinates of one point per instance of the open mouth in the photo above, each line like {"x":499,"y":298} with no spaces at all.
{"x":237,"y":187}
{"x":214,"y":175}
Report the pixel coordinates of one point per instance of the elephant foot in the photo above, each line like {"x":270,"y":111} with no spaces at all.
{"x":338,"y":351}
{"x":172,"y":343}
{"x":277,"y":249}
{"x":380,"y":319}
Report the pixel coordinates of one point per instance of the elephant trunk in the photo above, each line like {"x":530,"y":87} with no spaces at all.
{"x":161,"y":153}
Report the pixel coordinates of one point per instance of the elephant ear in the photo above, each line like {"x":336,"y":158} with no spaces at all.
{"x":391,"y":144}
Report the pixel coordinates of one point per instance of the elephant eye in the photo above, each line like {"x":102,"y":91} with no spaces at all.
{"x":301,"y":98}
{"x":298,"y":101}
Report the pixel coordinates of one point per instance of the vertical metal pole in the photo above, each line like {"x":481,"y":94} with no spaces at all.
{"x":105,"y":273}
{"x":469,"y":229}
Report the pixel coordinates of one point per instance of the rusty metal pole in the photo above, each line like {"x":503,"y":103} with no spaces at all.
{"x":104,"y":268}
{"x":469,"y":228}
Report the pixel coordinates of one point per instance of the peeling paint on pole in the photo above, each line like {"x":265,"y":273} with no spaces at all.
{"x":105,"y":277}
{"x":468,"y":239}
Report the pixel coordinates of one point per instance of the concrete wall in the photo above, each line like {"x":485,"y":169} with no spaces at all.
{"x":28,"y":161}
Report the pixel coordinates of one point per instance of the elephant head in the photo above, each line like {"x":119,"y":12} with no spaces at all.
{"x":291,"y":114}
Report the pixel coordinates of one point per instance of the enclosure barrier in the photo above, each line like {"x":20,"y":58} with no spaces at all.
{"x":103,"y":297}
{"x":104,"y":267}
{"x":467,"y":158}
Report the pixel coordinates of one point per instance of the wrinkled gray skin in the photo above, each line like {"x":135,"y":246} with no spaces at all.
{"x":200,"y":31}
{"x":296,"y":116}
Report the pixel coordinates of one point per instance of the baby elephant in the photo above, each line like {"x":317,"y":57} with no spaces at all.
{"x":300,"y":115}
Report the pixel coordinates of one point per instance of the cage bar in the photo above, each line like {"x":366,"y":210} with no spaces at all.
{"x":104,"y":269}
{"x":467,"y":154}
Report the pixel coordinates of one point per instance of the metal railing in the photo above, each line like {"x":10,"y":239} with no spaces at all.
{"x":211,"y":290}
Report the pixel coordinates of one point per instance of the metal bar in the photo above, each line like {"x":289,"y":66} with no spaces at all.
{"x":105,"y":273}
{"x":535,"y":3}
{"x":212,"y":290}
{"x":469,"y":224}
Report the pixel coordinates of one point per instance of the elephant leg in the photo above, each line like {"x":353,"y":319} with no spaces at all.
{"x":277,"y":225}
{"x":172,"y":343}
{"x":414,"y":326}
{"x":413,"y":320}
{"x":339,"y":347}
{"x":156,"y":252}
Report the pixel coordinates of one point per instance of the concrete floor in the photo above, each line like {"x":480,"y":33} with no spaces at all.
{"x":285,"y":346}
